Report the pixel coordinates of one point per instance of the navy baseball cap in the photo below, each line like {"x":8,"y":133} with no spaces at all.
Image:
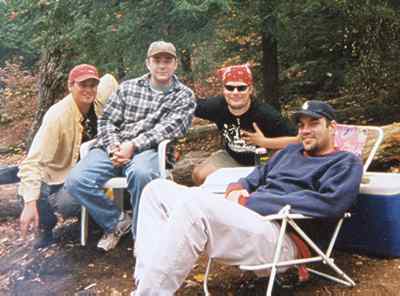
{"x":315,"y":109}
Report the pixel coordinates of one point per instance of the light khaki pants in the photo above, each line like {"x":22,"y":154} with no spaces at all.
{"x":176,"y":223}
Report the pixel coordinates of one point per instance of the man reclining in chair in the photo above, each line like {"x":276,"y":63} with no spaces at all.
{"x":176,"y":223}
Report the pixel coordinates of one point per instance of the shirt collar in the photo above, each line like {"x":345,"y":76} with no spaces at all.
{"x":145,"y":81}
{"x":78,"y":115}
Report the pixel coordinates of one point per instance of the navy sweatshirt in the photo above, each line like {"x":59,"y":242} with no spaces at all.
{"x":321,"y":186}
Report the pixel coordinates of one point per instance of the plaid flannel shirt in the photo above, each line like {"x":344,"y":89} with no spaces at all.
{"x":135,"y":113}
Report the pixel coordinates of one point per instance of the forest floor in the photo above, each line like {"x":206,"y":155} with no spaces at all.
{"x":66,"y":268}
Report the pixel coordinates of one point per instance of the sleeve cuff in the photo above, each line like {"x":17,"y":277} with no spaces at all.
{"x":29,"y":195}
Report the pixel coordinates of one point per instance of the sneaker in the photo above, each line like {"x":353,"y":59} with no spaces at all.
{"x":109,"y":240}
{"x":44,"y":239}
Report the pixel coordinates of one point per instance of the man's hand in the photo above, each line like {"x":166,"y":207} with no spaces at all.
{"x":29,"y":215}
{"x":257,"y":138}
{"x":239,"y":196}
{"x":122,"y":154}
{"x":232,"y":187}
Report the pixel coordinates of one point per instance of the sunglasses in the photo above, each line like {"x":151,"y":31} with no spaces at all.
{"x":240,"y":88}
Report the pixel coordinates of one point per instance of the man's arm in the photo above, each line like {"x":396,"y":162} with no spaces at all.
{"x":110,"y":121}
{"x":174,"y":123}
{"x":259,"y":139}
{"x":257,"y":177}
{"x":208,"y":108}
{"x":338,"y":189}
{"x":42,"y":151}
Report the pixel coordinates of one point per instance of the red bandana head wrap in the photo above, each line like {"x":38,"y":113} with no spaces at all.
{"x":237,"y":73}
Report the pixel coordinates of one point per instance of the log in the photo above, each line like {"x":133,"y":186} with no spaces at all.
{"x":201,"y":131}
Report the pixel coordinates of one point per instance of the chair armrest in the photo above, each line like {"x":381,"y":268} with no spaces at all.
{"x":162,"y":157}
{"x":285,"y":213}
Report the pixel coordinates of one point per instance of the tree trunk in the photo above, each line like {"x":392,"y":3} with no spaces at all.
{"x":186,"y":62}
{"x":52,"y":84}
{"x":270,"y":69}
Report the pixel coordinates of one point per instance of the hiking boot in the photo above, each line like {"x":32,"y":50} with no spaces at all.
{"x":109,"y":240}
{"x":44,"y":239}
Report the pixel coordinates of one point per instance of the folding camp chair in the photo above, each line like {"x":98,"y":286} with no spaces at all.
{"x":119,"y":184}
{"x":348,"y":138}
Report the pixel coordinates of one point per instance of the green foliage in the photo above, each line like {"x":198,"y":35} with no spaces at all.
{"x":114,"y":35}
{"x":325,"y":47}
{"x":373,"y":35}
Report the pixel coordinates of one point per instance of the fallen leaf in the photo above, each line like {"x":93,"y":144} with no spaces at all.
{"x":199,"y":277}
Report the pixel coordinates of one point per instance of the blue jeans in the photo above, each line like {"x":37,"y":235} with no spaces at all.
{"x":8,"y":175}
{"x":86,"y":180}
{"x":54,"y":199}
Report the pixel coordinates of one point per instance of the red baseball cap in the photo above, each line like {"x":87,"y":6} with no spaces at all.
{"x":83,"y":72}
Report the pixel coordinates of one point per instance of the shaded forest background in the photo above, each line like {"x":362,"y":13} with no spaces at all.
{"x":345,"y":51}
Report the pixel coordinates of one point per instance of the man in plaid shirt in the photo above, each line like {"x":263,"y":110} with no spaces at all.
{"x":140,"y":114}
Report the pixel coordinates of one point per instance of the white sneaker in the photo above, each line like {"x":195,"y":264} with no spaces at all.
{"x":110,"y":240}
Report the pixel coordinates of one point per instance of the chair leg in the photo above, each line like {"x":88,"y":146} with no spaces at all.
{"x":119,"y":197}
{"x":277,"y":253}
{"x":84,"y":225}
{"x":205,"y":283}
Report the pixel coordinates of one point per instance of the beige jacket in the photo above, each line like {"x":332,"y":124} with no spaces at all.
{"x":55,"y":147}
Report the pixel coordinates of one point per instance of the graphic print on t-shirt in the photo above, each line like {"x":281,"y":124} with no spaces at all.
{"x":231,"y":134}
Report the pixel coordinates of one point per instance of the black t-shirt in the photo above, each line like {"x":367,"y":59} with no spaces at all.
{"x":271,"y":123}
{"x":89,"y":124}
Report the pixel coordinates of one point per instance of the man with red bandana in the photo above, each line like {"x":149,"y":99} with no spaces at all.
{"x":243,"y":122}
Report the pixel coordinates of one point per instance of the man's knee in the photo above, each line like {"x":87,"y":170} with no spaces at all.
{"x":66,"y":204}
{"x":197,"y":176}
{"x":141,"y":175}
{"x":201,"y":172}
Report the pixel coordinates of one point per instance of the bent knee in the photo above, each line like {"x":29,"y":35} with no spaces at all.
{"x":76,"y":180}
{"x":143,"y":173}
{"x":67,"y":205}
{"x":200,"y":173}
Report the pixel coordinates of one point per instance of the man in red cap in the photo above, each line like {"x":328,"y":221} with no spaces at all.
{"x":55,"y":150}
{"x":244,"y":123}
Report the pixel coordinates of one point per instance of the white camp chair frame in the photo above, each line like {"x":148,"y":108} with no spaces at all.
{"x":119,"y":184}
{"x":285,"y":217}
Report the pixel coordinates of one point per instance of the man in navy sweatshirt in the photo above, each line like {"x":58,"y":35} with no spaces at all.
{"x":176,"y":223}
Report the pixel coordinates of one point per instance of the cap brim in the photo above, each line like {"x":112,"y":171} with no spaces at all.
{"x":296,"y":116}
{"x":164,"y":52}
{"x":86,"y":77}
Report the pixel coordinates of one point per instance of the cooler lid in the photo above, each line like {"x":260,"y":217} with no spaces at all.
{"x":380,"y":183}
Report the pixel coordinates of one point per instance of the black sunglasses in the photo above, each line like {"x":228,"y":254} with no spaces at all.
{"x":240,"y":88}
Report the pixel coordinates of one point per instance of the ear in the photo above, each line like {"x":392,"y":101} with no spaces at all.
{"x":333,"y":126}
{"x":148,"y":63}
{"x":70,"y":84}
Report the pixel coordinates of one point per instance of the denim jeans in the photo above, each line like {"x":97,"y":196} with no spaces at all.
{"x":8,"y":175}
{"x":86,"y":180}
{"x":54,"y":199}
